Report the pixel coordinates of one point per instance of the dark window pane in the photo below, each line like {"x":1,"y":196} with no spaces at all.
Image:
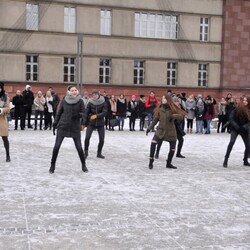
{"x":28,"y":76}
{"x":27,"y":68}
{"x":35,"y":68}
{"x":100,"y":71}
{"x":35,"y":59}
{"x":35,"y":77}
{"x":101,"y":79}
{"x":65,"y":70}
{"x":135,"y":80}
{"x":72,"y":70}
{"x":72,"y":78}
{"x":28,"y":58}
{"x":135,"y":72}
{"x":65,"y":78}
{"x":141,"y":80}
{"x":141,"y":73}
{"x":65,"y":60}
{"x":107,"y":71}
{"x":168,"y":74}
{"x":107,"y":79}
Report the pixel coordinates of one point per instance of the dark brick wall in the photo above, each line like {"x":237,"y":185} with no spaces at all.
{"x":236,"y":44}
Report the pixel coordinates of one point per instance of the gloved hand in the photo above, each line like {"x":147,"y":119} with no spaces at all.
{"x":93,"y":117}
{"x":147,"y":131}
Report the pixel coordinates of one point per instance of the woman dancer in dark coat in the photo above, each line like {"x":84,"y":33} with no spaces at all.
{"x":67,"y":123}
{"x":166,"y":115}
{"x":239,"y":121}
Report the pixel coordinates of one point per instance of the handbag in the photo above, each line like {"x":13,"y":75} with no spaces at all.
{"x":114,"y":122}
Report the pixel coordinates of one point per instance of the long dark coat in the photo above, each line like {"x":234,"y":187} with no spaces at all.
{"x":68,"y":119}
{"x":166,"y":128}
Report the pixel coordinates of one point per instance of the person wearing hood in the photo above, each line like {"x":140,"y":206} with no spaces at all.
{"x":28,"y":98}
{"x":95,"y":114}
{"x":4,"y":109}
{"x":67,"y":123}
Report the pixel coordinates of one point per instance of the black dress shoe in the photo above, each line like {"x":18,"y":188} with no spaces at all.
{"x":8,"y":158}
{"x":180,"y":156}
{"x":246,"y":163}
{"x":99,"y":155}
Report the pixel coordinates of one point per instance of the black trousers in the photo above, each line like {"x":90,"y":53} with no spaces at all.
{"x":6,"y":145}
{"x":39,"y":113}
{"x":27,"y":113}
{"x":157,"y":140}
{"x":101,"y":133}
{"x":234,"y":135}
{"x":58,"y":143}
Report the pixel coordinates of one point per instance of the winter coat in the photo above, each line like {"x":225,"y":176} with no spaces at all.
{"x":18,"y":102}
{"x":190,"y":108}
{"x":166,"y":129}
{"x":96,"y":107}
{"x":121,"y":107}
{"x":142,"y":111}
{"x":68,"y":117}
{"x":151,"y":104}
{"x":200,"y":109}
{"x":210,"y":111}
{"x":28,"y":97}
{"x":5,"y":106}
{"x":238,"y":123}
{"x":39,"y":103}
{"x":133,"y":109}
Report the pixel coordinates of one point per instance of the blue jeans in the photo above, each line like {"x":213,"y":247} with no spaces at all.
{"x":150,"y":118}
{"x":199,"y":126}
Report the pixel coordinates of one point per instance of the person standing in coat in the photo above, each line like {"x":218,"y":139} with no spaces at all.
{"x":19,"y":109}
{"x":95,"y":114}
{"x":239,"y":121}
{"x":39,"y":103}
{"x":151,"y":104}
{"x":190,"y":108}
{"x":4,"y":109}
{"x":166,"y":115}
{"x":133,"y":109}
{"x":67,"y":123}
{"x":28,"y":97}
{"x":121,"y":110}
{"x":142,"y":111}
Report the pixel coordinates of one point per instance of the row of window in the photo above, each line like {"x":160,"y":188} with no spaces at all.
{"x":147,"y":25}
{"x":69,"y":71}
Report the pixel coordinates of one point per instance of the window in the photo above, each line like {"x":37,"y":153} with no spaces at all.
{"x":171,"y":73}
{"x":69,"y":69}
{"x":69,"y":19}
{"x":31,"y":16}
{"x":104,"y":70}
{"x":202,"y":75}
{"x":156,"y":25}
{"x":138,"y":72}
{"x":105,"y":22}
{"x":31,"y":68}
{"x":204,"y":27}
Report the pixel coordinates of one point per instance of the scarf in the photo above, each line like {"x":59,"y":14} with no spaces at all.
{"x":113,"y":105}
{"x":72,"y":99}
{"x":121,"y":100}
{"x":98,"y":101}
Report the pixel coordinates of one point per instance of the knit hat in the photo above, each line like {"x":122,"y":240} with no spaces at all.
{"x":27,"y":87}
{"x":133,"y":96}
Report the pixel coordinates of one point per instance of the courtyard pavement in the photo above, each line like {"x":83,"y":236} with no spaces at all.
{"x":120,"y":204}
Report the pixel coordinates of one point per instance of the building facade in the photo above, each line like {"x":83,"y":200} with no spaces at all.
{"x":128,"y":47}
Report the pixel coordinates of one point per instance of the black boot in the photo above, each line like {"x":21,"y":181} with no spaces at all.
{"x":169,"y":165}
{"x":84,"y":168}
{"x":150,"y":165}
{"x":99,"y":155}
{"x":157,"y":155}
{"x":180,"y":155}
{"x":86,"y":153}
{"x":246,"y":163}
{"x":225,"y":162}
{"x":7,"y":158}
{"x":52,"y":168}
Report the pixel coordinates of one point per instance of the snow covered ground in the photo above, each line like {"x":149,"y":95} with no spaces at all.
{"x":120,"y":203}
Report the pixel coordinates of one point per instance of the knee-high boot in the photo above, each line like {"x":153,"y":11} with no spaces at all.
{"x":7,"y":148}
{"x":169,"y":160}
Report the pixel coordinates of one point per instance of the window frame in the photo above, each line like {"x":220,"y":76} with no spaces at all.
{"x":156,"y":25}
{"x":32,"y":74}
{"x":69,"y":66}
{"x":203,"y":74}
{"x":32,"y":16}
{"x":139,"y":72}
{"x":69,"y":19}
{"x":105,"y":22}
{"x":105,"y":76}
{"x":204,"y":29}
{"x":172,"y":73}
